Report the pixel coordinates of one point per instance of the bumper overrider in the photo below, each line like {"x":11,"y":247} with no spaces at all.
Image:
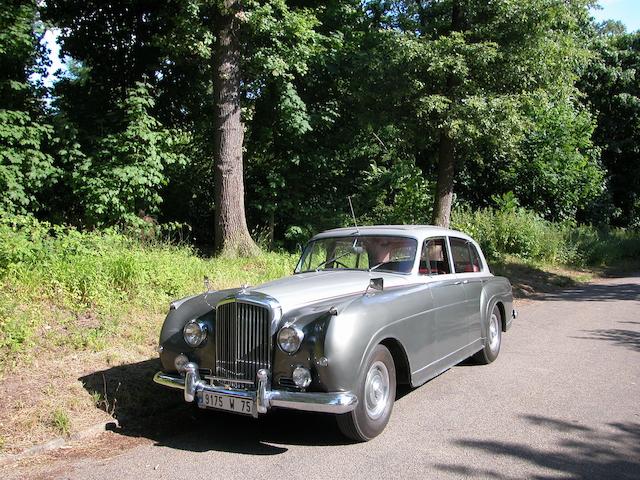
{"x":264,"y":398}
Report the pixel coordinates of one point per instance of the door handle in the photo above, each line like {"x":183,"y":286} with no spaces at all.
{"x":457,"y":283}
{"x":465,"y":281}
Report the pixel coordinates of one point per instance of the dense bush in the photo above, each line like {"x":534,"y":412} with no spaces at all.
{"x":516,"y":231}
{"x":512,"y":230}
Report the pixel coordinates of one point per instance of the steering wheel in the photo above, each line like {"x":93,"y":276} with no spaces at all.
{"x":338,"y":262}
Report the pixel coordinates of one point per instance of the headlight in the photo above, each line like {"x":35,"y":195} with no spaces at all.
{"x":290,"y":339}
{"x":195,"y":333}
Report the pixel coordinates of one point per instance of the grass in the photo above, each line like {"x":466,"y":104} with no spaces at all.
{"x":60,"y":422}
{"x":74,"y":303}
{"x":79,"y":290}
{"x":81,"y":311}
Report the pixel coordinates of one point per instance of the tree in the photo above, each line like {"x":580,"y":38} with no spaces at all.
{"x":121,"y":182}
{"x":471,"y":66}
{"x":26,"y":164}
{"x":231,"y":232}
{"x":210,"y":63}
{"x":612,"y":86}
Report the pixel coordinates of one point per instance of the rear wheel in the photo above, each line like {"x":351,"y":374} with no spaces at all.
{"x":376,"y":394}
{"x":493,"y":340}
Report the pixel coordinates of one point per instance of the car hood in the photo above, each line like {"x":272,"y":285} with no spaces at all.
{"x":311,"y":287}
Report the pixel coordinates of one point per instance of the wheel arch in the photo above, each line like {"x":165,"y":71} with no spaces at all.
{"x":400,"y":359}
{"x":503,"y":317}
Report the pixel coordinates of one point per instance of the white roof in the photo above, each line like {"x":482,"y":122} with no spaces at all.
{"x":416,"y":231}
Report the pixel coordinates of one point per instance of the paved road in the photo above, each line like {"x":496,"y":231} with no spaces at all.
{"x":561,"y":401}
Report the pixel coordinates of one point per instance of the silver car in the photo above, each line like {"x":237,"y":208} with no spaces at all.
{"x":366,"y":309}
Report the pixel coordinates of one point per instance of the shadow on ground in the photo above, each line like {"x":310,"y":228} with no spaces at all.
{"x":607,"y":453}
{"x":529,"y":281}
{"x":623,"y":338}
{"x":144,"y":409}
{"x":598,"y":292}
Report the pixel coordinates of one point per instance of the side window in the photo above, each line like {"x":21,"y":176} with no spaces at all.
{"x":434,"y":259}
{"x":475,"y":258}
{"x":465,"y":256}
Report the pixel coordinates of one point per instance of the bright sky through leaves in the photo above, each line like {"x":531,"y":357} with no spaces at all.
{"x":627,"y":11}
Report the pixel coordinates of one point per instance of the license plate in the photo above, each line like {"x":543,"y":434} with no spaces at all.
{"x":227,"y":402}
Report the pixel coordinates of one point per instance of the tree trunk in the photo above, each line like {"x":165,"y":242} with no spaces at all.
{"x":446,"y":148}
{"x":231,"y":232}
{"x":444,"y":187}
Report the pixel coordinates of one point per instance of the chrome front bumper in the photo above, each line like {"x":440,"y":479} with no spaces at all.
{"x":192,"y":384}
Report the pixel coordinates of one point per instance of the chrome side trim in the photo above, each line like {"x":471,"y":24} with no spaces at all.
{"x":338,"y":402}
{"x":193,"y":386}
{"x":167,"y":380}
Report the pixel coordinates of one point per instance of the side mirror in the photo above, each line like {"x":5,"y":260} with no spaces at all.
{"x":376,"y":284}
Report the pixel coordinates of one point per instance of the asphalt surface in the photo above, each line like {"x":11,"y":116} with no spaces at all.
{"x":561,"y":401}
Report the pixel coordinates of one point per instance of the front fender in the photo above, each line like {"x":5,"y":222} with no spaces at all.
{"x":353,"y":333}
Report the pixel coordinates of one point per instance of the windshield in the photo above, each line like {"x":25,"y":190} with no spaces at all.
{"x":382,"y":253}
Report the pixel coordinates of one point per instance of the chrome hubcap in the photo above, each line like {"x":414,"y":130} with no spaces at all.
{"x":376,"y":390}
{"x":494,"y":332}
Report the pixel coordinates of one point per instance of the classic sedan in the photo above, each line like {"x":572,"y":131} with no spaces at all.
{"x":365,"y":310}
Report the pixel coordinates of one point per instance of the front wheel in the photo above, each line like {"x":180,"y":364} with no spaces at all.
{"x":376,"y":394}
{"x":494,"y":338}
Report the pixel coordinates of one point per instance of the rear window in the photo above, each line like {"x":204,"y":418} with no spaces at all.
{"x":465,"y":256}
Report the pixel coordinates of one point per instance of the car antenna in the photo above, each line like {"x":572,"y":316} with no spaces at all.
{"x":353,"y":215}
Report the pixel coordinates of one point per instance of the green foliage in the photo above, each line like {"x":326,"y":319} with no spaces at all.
{"x":96,"y":279}
{"x":122,"y":182}
{"x":395,"y":193}
{"x":604,"y":247}
{"x":20,"y":53}
{"x":513,"y":230}
{"x":342,"y":99}
{"x":557,"y":173}
{"x":25,"y":166}
{"x":613,"y":93}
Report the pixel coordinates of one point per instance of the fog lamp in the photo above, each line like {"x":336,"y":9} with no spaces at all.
{"x":180,"y":361}
{"x":302,"y":377}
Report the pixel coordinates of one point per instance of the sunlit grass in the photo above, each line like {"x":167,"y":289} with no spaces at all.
{"x":60,"y":288}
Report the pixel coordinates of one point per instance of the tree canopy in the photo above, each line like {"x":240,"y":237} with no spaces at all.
{"x":407,"y":106}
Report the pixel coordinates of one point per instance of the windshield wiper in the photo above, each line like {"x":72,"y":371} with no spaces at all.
{"x":376,"y":266}
{"x":331,"y":260}
{"x":355,"y":249}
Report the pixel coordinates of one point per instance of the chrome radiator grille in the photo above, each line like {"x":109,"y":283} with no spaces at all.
{"x":243,"y":343}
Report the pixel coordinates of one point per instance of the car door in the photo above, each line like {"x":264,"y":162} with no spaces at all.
{"x":470,"y":271}
{"x":448,"y":296}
